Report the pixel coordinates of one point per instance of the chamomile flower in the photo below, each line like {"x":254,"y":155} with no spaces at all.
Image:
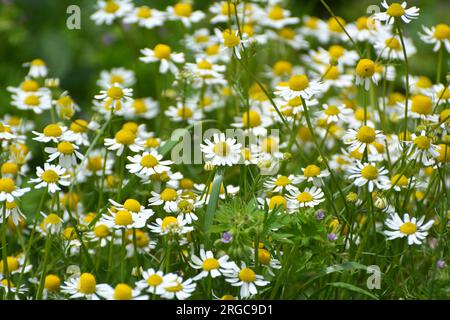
{"x":184,"y":112}
{"x":221,"y":151}
{"x":422,"y":149}
{"x":155,"y":282}
{"x":9,"y":190}
{"x":146,"y":108}
{"x":12,"y":212}
{"x":370,"y":174}
{"x":415,"y":230}
{"x":395,"y":11}
{"x":276,"y":17}
{"x":163,"y":54}
{"x":148,"y":163}
{"x":82,"y":286}
{"x":310,"y":197}
{"x":365,"y":73}
{"x":124,"y":138}
{"x":15,"y":265}
{"x":208,"y":264}
{"x":255,"y":121}
{"x":133,"y":206}
{"x":116,"y":76}
{"x":125,"y":219}
{"x":66,"y":152}
{"x":110,"y":10}
{"x":170,"y":225}
{"x":184,"y":12}
{"x":114,"y":96}
{"x":146,"y":17}
{"x":438,"y":35}
{"x":53,"y":132}
{"x":122,"y":291}
{"x":38,"y":68}
{"x":389,"y":47}
{"x":282,"y":183}
{"x":51,"y":177}
{"x":179,"y":288}
{"x":246,"y":278}
{"x":400,"y":182}
{"x":314,"y":174}
{"x":51,"y":224}
{"x":299,"y":86}
{"x":231,"y":42}
{"x":334,"y":113}
{"x":37,"y":102}
{"x":363,"y":138}
{"x":168,"y":197}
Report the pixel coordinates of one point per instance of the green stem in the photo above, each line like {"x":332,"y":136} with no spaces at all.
{"x":44,"y":268}
{"x":406,"y":78}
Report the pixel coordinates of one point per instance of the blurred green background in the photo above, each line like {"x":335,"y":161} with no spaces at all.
{"x":37,"y":29}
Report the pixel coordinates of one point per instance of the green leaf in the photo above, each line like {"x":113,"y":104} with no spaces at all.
{"x":212,"y":203}
{"x":353,"y":288}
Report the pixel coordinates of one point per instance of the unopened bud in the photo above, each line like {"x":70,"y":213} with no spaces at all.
{"x":352,"y":197}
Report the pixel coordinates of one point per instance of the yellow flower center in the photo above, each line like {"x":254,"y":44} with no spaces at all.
{"x":32,"y":100}
{"x":424,"y":82}
{"x":336,"y":51}
{"x":154,"y":280}
{"x":363,"y":23}
{"x":444,"y":153}
{"x":210,"y":264}
{"x":444,"y":94}
{"x":332,"y":73}
{"x":393,"y":44}
{"x":7,"y":185}
{"x":247,"y":275}
{"x":101,"y":231}
{"x":10,"y":168}
{"x":29,"y":86}
{"x":287,"y":33}
{"x":65,"y":147}
{"x":312,"y":22}
{"x":162,"y":51}
{"x":228,"y":8}
{"x":123,"y":292}
{"x":169,"y":194}
{"x":212,"y":50}
{"x":95,"y":163}
{"x":282,"y":181}
{"x":422,"y":142}
{"x":203,"y":64}
{"x":365,"y":68}
{"x":369,"y":172}
{"x":395,"y":97}
{"x":230,"y":39}
{"x":421,"y":104}
{"x":282,"y":67}
{"x":185,"y":113}
{"x":50,"y":176}
{"x":276,"y":13}
{"x":332,"y":111}
{"x":311,"y":171}
{"x":251,"y":119}
{"x":277,"y":201}
{"x":69,"y":233}
{"x":395,"y":10}
{"x":149,"y":161}
{"x":123,"y":218}
{"x":222,"y":149}
{"x":298,"y":83}
{"x":264,"y":256}
{"x":52,"y":283}
{"x":445,"y":116}
{"x":79,"y":126}
{"x":408,"y":228}
{"x":125,"y":137}
{"x":52,"y":130}
{"x":144,"y":12}
{"x":442,"y":32}
{"x":52,"y":219}
{"x":132,"y":205}
{"x":183,"y":9}
{"x":38,"y":63}
{"x":139,"y":106}
{"x":87,"y":283}
{"x":177,"y":287}
{"x":227,"y":297}
{"x":169,"y":222}
{"x":304,"y":197}
{"x":366,"y":134}
{"x":115,"y":93}
{"x":13,"y":264}
{"x":334,"y":26}
{"x":399,"y":180}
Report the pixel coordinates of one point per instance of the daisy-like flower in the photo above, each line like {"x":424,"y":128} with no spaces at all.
{"x":125,"y":219}
{"x":207,"y":72}
{"x":184,"y":12}
{"x":163,"y":54}
{"x":438,"y":35}
{"x":400,"y":182}
{"x":51,"y":177}
{"x":184,"y":112}
{"x":221,"y":151}
{"x":154,"y":281}
{"x":421,"y":107}
{"x":15,"y":265}
{"x":368,"y":173}
{"x":209,"y":264}
{"x":122,"y":291}
{"x":133,"y":206}
{"x":55,"y":133}
{"x":9,"y":190}
{"x":124,"y":138}
{"x":51,"y":224}
{"x":145,"y":17}
{"x":12,"y":212}
{"x":363,"y":138}
{"x":274,"y":202}
{"x":441,"y":93}
{"x":66,"y":152}
{"x":334,"y":113}
{"x":288,"y":36}
{"x":277,"y":18}
{"x":168,"y":197}
{"x":231,"y":42}
{"x":310,"y":197}
{"x":246,"y":278}
{"x":365,"y":73}
{"x":38,"y":68}
{"x":116,"y":76}
{"x":314,"y":174}
{"x":389,"y":47}
{"x":170,"y":225}
{"x":179,"y":288}
{"x":299,"y":86}
{"x":83,"y":286}
{"x":145,"y":108}
{"x":396,"y":11}
{"x":422,"y":149}
{"x":110,"y":10}
{"x":415,"y":230}
{"x":282,"y":183}
{"x":148,"y":163}
{"x":114,"y":97}
{"x":255,"y":121}
{"x":37,"y":101}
